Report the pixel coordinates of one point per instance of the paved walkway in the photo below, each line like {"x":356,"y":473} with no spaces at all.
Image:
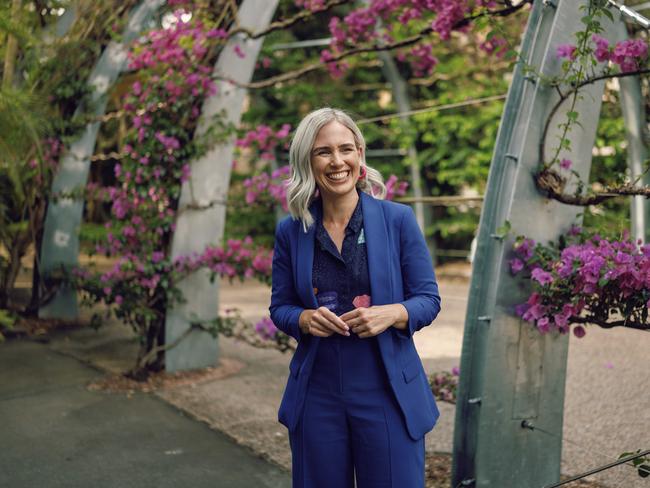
{"x":56,"y":433}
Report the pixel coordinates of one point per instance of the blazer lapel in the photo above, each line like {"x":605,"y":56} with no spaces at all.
{"x":374,"y":227}
{"x":379,"y":266}
{"x":305,"y":262}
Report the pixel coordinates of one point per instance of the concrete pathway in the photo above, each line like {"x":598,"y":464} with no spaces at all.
{"x":48,"y":416}
{"x":56,"y":433}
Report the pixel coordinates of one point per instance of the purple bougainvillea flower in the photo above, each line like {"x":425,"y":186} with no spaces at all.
{"x":542,"y":277}
{"x":566,"y":51}
{"x":565,"y":163}
{"x":521,"y":309}
{"x":544,"y":324}
{"x":579,"y":331}
{"x":525,"y":248}
{"x":516,"y":265}
{"x":602,"y":48}
{"x":455,"y":371}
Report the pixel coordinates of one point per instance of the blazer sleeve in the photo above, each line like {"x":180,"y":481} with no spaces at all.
{"x":421,"y":296}
{"x":285,"y":305}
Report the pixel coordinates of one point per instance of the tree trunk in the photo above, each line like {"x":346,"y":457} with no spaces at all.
{"x":11,"y":51}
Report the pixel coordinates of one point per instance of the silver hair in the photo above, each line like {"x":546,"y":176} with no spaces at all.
{"x":302,"y":184}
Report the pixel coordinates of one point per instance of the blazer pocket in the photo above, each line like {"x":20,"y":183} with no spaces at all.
{"x":412,"y":370}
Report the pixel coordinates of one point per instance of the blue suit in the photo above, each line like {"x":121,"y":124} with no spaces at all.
{"x":400,"y":271}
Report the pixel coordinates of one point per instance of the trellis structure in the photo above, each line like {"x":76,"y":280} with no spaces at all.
{"x":60,"y":246}
{"x":512,"y":377}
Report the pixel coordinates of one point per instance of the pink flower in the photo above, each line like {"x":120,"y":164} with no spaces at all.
{"x":266,"y":328}
{"x":239,"y":52}
{"x":579,"y":331}
{"x":566,"y":51}
{"x":516,"y":265}
{"x":602,"y":48}
{"x":543,"y":325}
{"x":541,"y":276}
{"x":361,"y":301}
{"x":565,"y":163}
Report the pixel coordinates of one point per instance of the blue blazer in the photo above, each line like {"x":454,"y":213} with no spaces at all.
{"x":400,"y":271}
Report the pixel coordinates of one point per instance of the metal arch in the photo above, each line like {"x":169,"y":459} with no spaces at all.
{"x":511,"y":374}
{"x":209,"y":182}
{"x":60,"y":247}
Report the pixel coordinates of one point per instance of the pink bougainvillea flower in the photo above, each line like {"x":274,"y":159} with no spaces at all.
{"x":602,"y":48}
{"x":266,"y":329}
{"x":566,"y":51}
{"x":579,"y":331}
{"x":542,"y":277}
{"x":516,"y":265}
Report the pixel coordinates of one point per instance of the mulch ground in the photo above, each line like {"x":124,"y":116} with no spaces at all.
{"x":119,"y":383}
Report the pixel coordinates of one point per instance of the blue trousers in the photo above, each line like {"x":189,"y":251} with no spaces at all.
{"x":346,"y":435}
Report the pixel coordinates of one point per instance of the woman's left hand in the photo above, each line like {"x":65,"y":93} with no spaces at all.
{"x":372,"y":321}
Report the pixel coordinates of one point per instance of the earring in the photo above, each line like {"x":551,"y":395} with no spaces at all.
{"x":362,"y":172}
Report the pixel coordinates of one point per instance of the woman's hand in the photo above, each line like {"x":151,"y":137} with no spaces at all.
{"x":322,"y":322}
{"x":372,"y":321}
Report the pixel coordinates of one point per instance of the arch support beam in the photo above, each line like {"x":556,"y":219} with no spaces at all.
{"x":207,"y":191}
{"x":60,"y":246}
{"x":512,"y":376}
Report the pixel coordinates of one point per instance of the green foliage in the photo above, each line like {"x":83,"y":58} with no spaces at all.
{"x":454,"y":146}
{"x":257,"y":221}
{"x":91,"y":234}
{"x":641,"y":463}
{"x":609,"y":167}
{"x":7,"y":322}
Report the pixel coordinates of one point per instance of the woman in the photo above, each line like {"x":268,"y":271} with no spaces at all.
{"x":352,"y":282}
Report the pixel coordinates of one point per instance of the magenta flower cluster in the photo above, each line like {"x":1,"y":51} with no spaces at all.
{"x":362,"y":26}
{"x":590,"y":279}
{"x":264,"y":139}
{"x":627,"y":54}
{"x":172,"y":78}
{"x":51,"y":150}
{"x":266,"y":329}
{"x":311,"y":5}
{"x":264,"y":186}
{"x":395,"y":187}
{"x":444,"y":385}
{"x":237,"y":259}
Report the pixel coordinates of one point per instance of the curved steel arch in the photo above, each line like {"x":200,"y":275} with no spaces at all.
{"x":512,"y":376}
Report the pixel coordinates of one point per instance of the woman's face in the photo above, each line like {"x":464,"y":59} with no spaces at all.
{"x":335,"y":160}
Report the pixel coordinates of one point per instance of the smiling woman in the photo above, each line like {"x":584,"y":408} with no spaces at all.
{"x":336,"y":160}
{"x":328,"y":139}
{"x":352,"y":281}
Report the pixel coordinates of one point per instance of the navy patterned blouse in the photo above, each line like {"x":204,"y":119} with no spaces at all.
{"x":341,"y":283}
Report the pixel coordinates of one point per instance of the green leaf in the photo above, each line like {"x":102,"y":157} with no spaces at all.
{"x":504,"y":230}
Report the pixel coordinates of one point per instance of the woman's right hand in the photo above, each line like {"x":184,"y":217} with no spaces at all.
{"x":322,"y":322}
